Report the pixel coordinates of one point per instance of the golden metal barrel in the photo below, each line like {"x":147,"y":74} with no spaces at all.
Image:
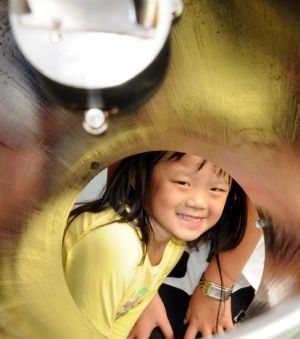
{"x":231,"y":95}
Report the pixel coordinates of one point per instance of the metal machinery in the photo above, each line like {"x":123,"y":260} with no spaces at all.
{"x":85,"y":83}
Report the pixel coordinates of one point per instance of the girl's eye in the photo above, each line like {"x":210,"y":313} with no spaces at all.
{"x":183,"y":183}
{"x":217,"y":189}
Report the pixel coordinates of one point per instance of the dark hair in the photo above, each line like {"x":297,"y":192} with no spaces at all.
{"x":128,"y":189}
{"x":120,"y":195}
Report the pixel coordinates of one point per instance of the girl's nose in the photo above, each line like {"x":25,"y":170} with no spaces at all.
{"x":197,"y":201}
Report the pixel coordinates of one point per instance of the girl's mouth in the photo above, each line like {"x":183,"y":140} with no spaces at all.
{"x":191,"y":218}
{"x":191,"y":221}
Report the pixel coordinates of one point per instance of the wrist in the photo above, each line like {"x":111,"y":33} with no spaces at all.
{"x":214,"y":290}
{"x":229,"y":276}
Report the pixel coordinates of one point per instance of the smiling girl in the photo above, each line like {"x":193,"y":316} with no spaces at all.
{"x":119,"y":249}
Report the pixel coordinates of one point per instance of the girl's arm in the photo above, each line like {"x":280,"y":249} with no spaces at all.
{"x":203,"y":310}
{"x":98,"y":270}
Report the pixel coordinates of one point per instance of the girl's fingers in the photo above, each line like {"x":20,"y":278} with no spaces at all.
{"x":187,"y":316}
{"x":191,"y":332}
{"x":139,"y":333}
{"x":137,"y":336}
{"x":207,"y":333}
{"x":166,"y":330}
{"x":220,"y":330}
{"x":229,"y":325}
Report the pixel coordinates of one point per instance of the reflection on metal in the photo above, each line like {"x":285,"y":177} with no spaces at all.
{"x":94,"y":121}
{"x":260,"y":224}
{"x":89,"y":53}
{"x":232,"y":95}
{"x":177,"y":8}
{"x":280,"y":323}
{"x":89,"y":40}
{"x":90,"y":15}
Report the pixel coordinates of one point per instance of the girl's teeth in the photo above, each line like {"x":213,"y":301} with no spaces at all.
{"x":187,"y":217}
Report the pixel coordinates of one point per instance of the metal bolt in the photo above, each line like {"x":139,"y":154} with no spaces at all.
{"x":95,"y":121}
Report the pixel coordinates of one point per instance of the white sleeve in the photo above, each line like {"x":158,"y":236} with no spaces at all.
{"x":253,"y":270}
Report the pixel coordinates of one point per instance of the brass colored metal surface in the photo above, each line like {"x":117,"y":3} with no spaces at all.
{"x":232,"y":95}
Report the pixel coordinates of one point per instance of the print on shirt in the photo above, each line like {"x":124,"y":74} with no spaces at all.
{"x":136,"y":298}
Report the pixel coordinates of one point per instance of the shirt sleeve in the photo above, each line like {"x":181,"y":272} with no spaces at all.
{"x":99,"y":269}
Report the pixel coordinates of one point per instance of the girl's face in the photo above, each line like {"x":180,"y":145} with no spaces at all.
{"x":184,"y":201}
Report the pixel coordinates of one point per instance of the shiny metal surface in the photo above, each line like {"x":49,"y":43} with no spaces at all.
{"x":77,"y":15}
{"x":110,"y":62}
{"x":75,"y":42}
{"x":232,"y":95}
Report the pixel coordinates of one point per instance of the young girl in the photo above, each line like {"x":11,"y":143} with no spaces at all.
{"x":119,"y":249}
{"x":183,"y":310}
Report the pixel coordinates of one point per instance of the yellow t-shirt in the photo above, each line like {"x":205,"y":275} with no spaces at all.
{"x":105,"y":275}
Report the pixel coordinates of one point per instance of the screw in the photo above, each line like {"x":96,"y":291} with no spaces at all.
{"x":95,"y":121}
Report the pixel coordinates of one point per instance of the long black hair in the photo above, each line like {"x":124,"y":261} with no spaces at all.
{"x":127,"y":192}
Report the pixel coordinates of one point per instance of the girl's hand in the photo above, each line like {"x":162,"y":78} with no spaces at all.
{"x":153,"y":315}
{"x":202,"y":315}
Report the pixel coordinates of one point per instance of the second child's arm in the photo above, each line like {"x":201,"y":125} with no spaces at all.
{"x":203,"y":310}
